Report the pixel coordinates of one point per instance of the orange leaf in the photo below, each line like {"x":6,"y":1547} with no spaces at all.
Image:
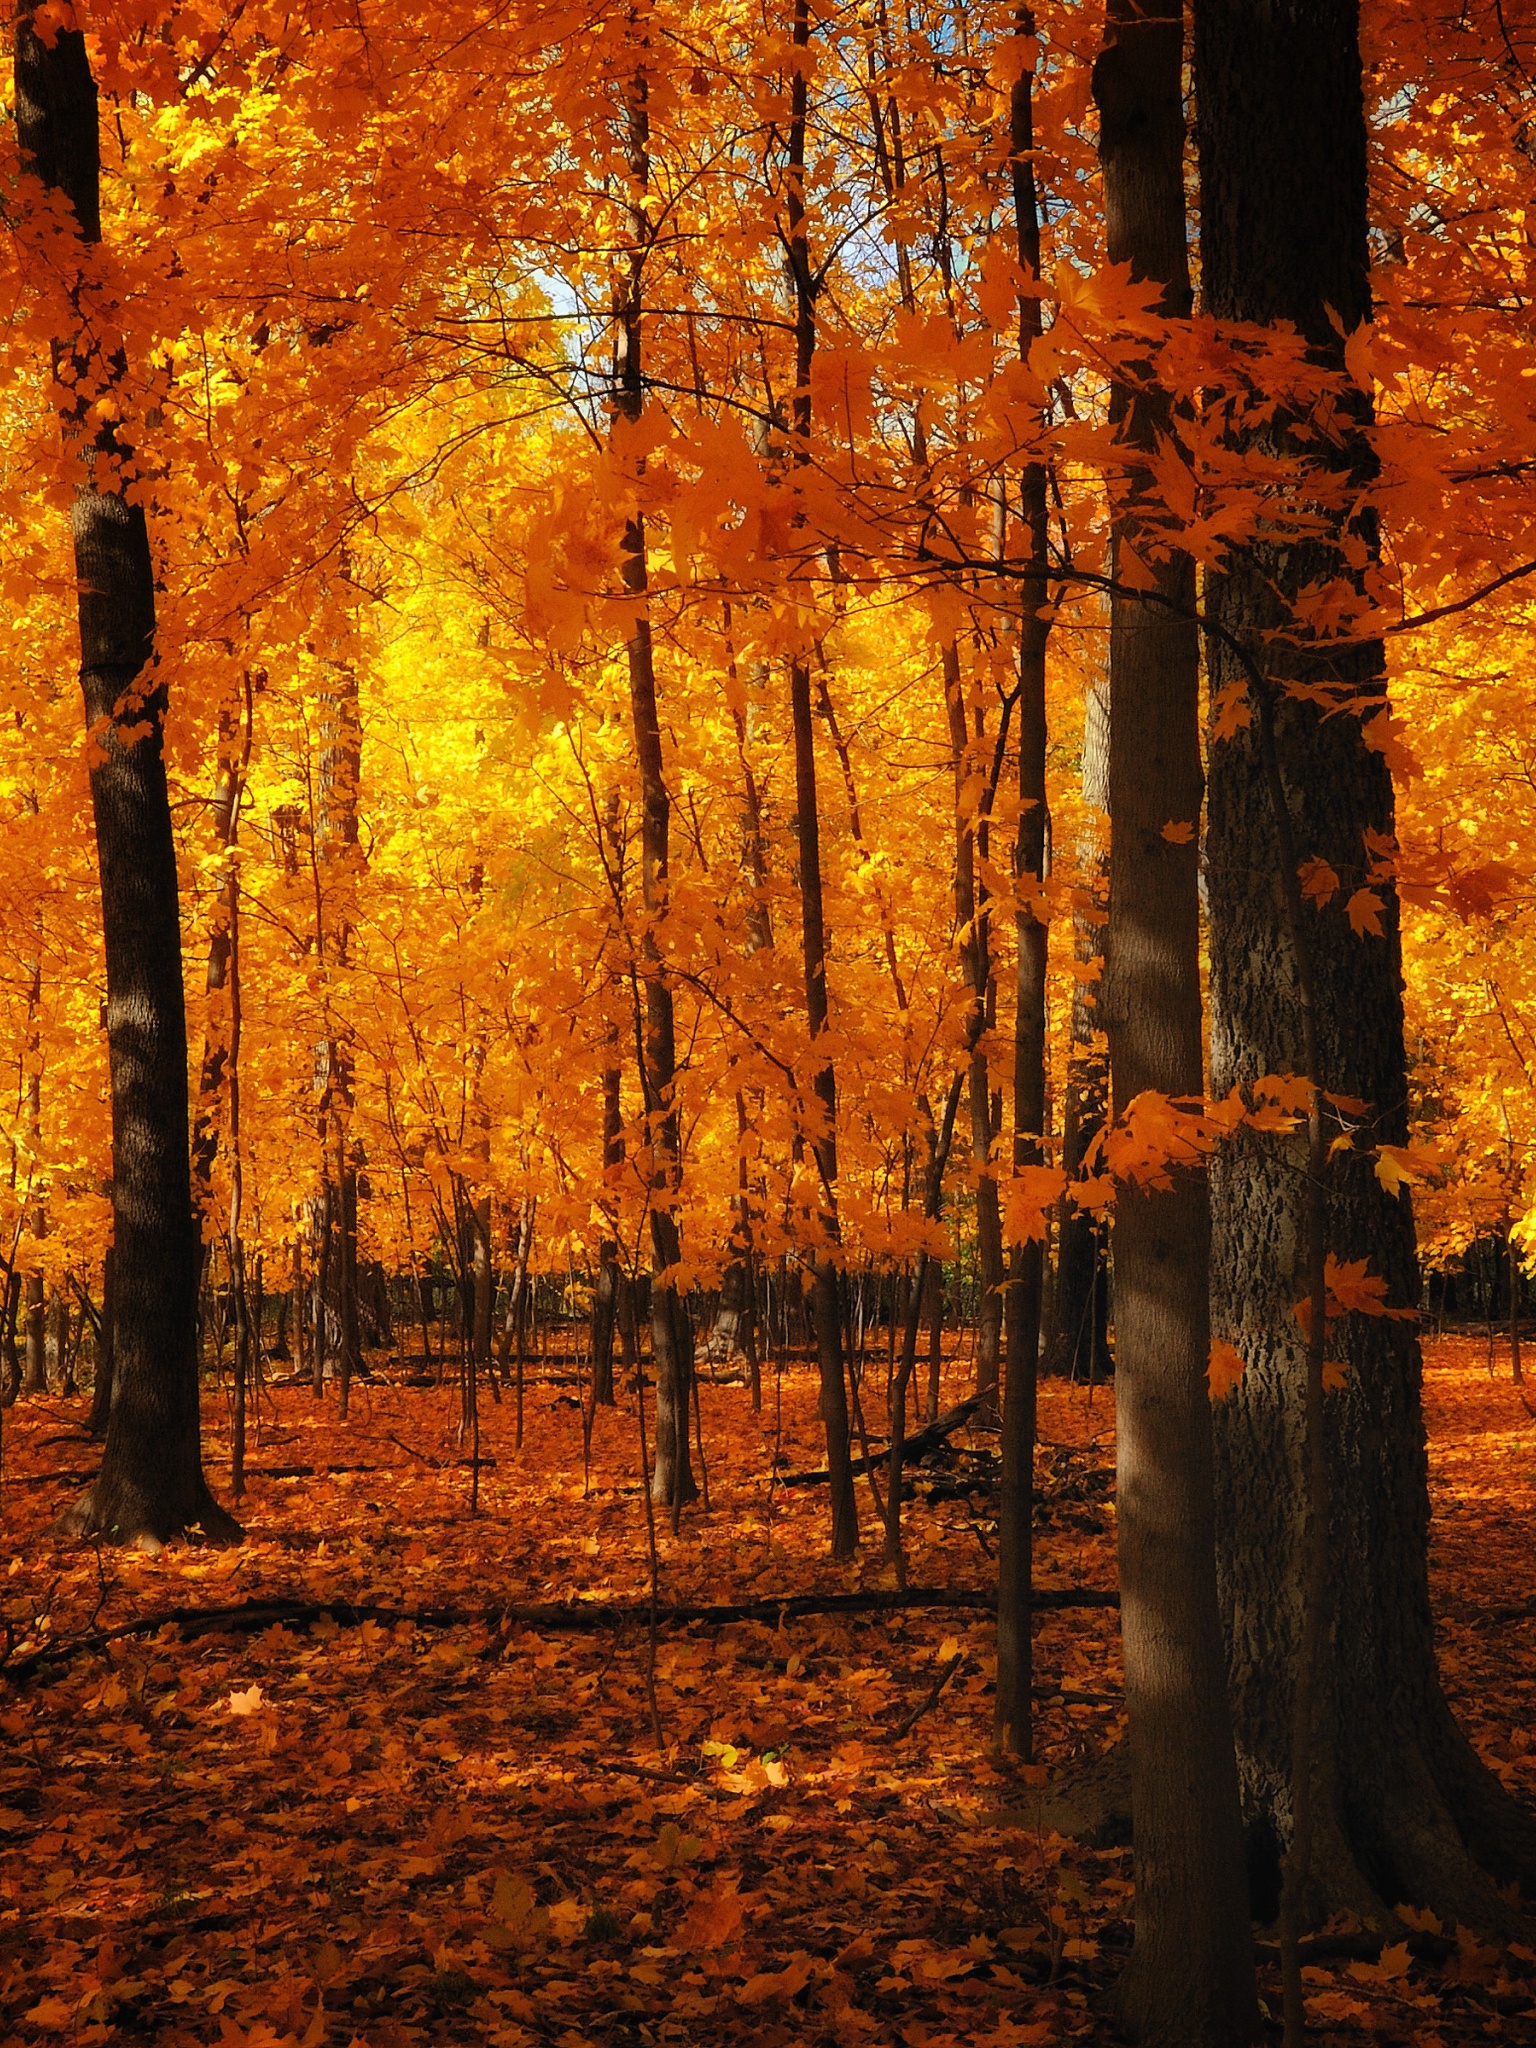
{"x":1225,"y":1369}
{"x":712,"y":1920}
{"x":1319,"y":883}
{"x":1364,"y":913}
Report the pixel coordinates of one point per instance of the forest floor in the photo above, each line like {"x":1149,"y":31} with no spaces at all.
{"x":408,"y":1831}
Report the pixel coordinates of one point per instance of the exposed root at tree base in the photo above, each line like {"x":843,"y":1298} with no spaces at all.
{"x":121,"y":1516}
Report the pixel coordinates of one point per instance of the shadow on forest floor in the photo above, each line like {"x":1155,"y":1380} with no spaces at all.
{"x":408,"y":1834}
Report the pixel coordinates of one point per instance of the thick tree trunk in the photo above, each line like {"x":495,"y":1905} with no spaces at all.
{"x":151,"y":1483}
{"x":1404,"y":1811}
{"x":1189,"y":1983}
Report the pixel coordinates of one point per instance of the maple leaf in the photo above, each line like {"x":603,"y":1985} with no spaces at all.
{"x":1399,"y":1165}
{"x":1225,"y":1369}
{"x":1178,"y":831}
{"x":51,"y":2013}
{"x":244,"y":1704}
{"x":1392,"y":1963}
{"x":1319,"y":882}
{"x":1231,"y":711}
{"x":771,"y":1984}
{"x":1027,"y":1194}
{"x":713,"y":1919}
{"x":1364,"y":910}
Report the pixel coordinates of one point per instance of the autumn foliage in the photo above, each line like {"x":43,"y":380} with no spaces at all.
{"x":645,"y":506}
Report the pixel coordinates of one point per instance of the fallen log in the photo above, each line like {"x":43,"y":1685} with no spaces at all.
{"x":913,"y":1449}
{"x":582,"y":1616}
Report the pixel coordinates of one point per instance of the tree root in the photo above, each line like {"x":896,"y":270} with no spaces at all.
{"x":251,"y":1616}
{"x":127,"y":1517}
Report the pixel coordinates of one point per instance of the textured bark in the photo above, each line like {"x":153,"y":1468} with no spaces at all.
{"x":1404,"y":1810}
{"x":1189,"y":1982}
{"x":151,"y":1483}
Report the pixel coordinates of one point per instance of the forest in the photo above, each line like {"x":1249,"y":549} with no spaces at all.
{"x":767,"y":1023}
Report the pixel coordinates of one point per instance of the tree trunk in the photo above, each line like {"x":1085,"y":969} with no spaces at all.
{"x":605,"y":1294}
{"x":151,"y":1483}
{"x":972,"y":926}
{"x":338,"y":857}
{"x":1016,"y":1505}
{"x":1189,"y":1982}
{"x":10,"y":1376}
{"x":1404,"y":1810}
{"x":826,"y":1306}
{"x":672,"y":1483}
{"x":101,"y":1391}
{"x":1079,"y":1338}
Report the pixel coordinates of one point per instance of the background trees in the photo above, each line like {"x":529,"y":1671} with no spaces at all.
{"x":646,"y":494}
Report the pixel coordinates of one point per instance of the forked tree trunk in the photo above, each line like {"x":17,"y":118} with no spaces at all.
{"x":151,"y":1483}
{"x":1189,"y":1982}
{"x":1404,"y":1810}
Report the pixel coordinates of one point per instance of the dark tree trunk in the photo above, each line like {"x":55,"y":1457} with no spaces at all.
{"x":151,"y":1483}
{"x":1189,"y":1982}
{"x":610,"y":1276}
{"x":10,"y":1378}
{"x":1079,"y":1337}
{"x":672,"y":1482}
{"x":825,"y":1303}
{"x":1016,"y":1506}
{"x":34,"y":1378}
{"x":101,"y":1393}
{"x":1404,"y":1811}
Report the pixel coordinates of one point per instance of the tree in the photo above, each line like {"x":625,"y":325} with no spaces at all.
{"x":1190,"y":1977}
{"x":151,"y":1483}
{"x":1404,"y":1810}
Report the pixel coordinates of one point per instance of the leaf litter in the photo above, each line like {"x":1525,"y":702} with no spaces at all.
{"x":397,"y":1834}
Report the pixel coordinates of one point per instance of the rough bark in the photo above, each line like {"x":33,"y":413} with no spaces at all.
{"x":151,"y":1483}
{"x":1404,"y":1809}
{"x":1189,"y":1982}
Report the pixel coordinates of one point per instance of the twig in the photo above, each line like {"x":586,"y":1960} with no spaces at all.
{"x":905,"y":1726}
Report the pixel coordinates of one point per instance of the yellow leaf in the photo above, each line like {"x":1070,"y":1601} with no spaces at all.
{"x":245,"y":1704}
{"x":1335,"y":1375}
